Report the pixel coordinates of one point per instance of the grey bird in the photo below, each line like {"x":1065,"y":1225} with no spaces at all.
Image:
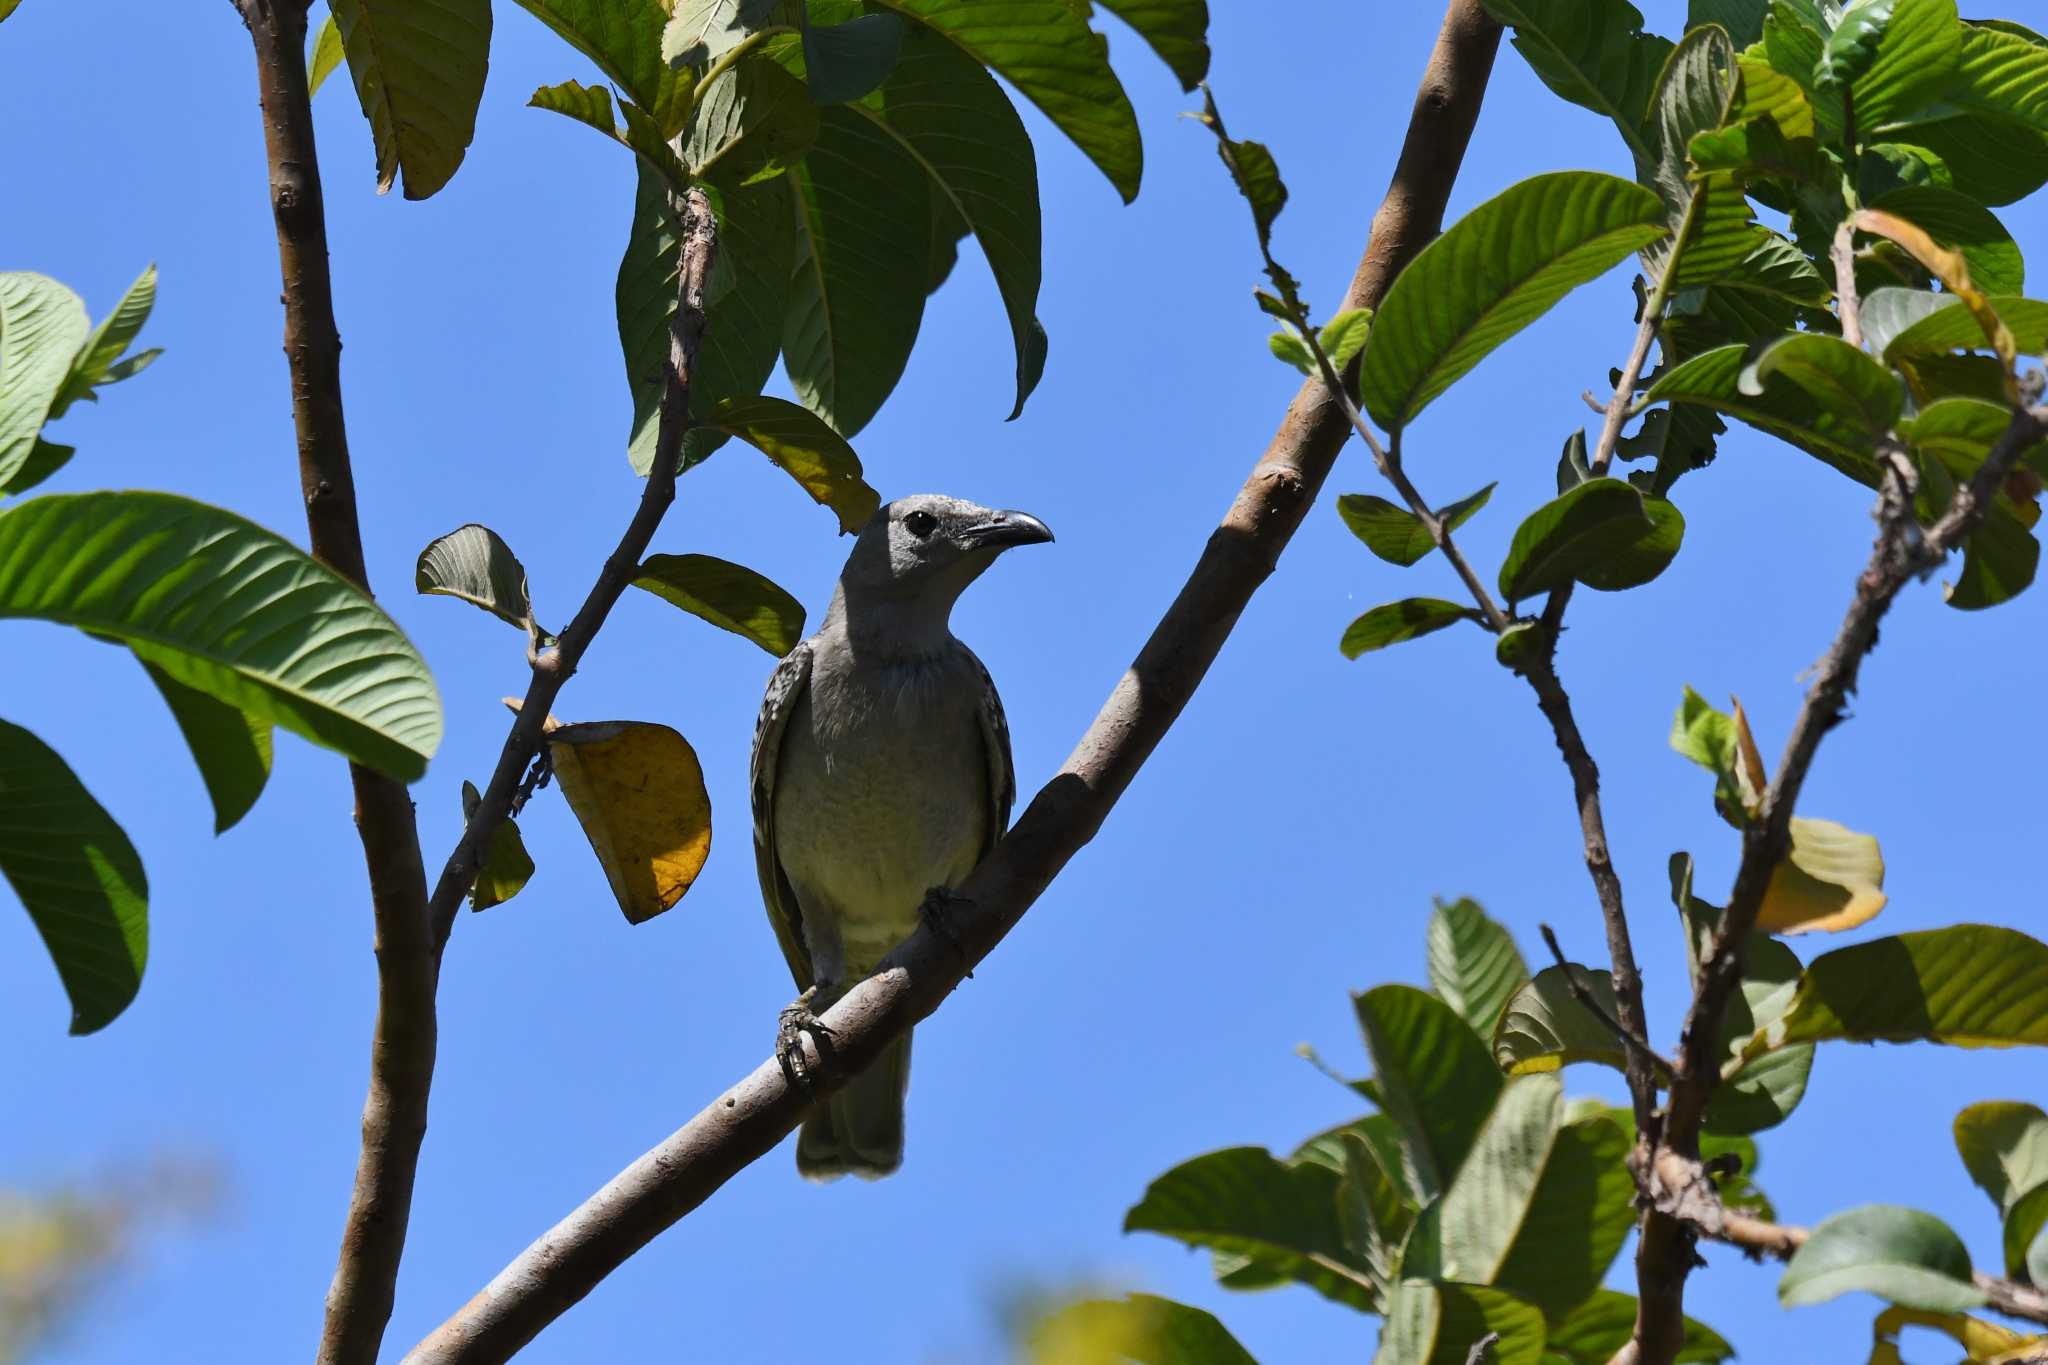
{"x":881,"y":776}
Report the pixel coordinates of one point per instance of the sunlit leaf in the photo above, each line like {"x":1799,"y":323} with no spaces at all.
{"x":1396,"y":534}
{"x":1137,"y":1328}
{"x":638,"y":792}
{"x":99,"y":360}
{"x":1435,"y":1077}
{"x":624,"y":38}
{"x":1485,"y":1204}
{"x":42,"y":326}
{"x":1396,"y":622}
{"x":77,"y":876}
{"x":1961,"y":224}
{"x":1847,"y":384}
{"x":729,"y":596}
{"x":1581,"y":1213}
{"x":1439,"y":1324}
{"x":1708,"y":216}
{"x":230,"y":609}
{"x":507,"y":866}
{"x":2004,"y":1145}
{"x":324,"y":56}
{"x":1833,"y":879}
{"x":1473,"y":963}
{"x":753,"y":123}
{"x":1784,"y":409}
{"x":1544,"y":1026}
{"x":803,"y":447}
{"x":1244,"y":1200}
{"x":1903,"y":1255}
{"x":1577,"y":532}
{"x":1495,"y":271}
{"x":418,"y":68}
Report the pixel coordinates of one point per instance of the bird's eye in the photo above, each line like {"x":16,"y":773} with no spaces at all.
{"x":921,"y":524}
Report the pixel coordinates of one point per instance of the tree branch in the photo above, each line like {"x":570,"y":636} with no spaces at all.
{"x":754,"y":1115}
{"x":408,"y":968}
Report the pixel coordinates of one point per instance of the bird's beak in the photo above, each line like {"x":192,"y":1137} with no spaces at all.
{"x":1002,"y":530}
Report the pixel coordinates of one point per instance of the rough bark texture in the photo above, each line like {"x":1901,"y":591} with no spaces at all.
{"x":751,"y":1117}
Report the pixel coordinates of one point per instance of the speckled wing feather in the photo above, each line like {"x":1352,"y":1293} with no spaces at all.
{"x":1002,"y":773}
{"x":785,"y":688}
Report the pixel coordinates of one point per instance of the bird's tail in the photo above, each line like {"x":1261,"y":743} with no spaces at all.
{"x":860,"y":1129}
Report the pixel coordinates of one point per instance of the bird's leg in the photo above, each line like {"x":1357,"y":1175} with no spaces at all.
{"x":935,"y":911}
{"x":794,"y":1022}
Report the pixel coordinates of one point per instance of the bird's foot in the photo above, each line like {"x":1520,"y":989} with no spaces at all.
{"x":791,"y":1025}
{"x":935,"y":912}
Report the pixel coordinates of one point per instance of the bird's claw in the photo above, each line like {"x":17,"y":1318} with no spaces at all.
{"x":791,"y":1025}
{"x":934,"y":910}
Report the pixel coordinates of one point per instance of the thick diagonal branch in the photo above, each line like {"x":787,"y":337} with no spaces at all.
{"x":751,"y":1117}
{"x":408,"y":967}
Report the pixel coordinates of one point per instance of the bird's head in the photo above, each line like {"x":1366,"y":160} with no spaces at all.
{"x":930,"y":546}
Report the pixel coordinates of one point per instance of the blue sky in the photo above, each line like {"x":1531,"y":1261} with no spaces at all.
{"x":1279,"y":851}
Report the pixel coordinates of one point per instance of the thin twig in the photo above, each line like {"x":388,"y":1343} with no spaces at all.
{"x":1631,"y":1043}
{"x":1843,"y":253}
{"x":1625,"y":387}
{"x":757,"y":1113}
{"x":403,"y":1038}
{"x":1482,"y":1349}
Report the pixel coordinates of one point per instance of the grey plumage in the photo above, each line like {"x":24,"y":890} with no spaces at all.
{"x":881,"y":769}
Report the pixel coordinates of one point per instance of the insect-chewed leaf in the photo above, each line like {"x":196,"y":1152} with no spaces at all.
{"x":1832,"y":880}
{"x":76,"y":874}
{"x":729,"y":596}
{"x":1137,"y":1327}
{"x":638,"y":792}
{"x":507,"y":866}
{"x":474,"y":564}
{"x":590,"y":105}
{"x":419,"y":73}
{"x":230,"y":609}
{"x":806,"y":449}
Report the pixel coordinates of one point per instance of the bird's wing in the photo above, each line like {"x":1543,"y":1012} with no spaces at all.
{"x":785,"y":688}
{"x":1002,"y":773}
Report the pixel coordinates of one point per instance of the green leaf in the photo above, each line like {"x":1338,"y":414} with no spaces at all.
{"x":1139,"y":1328}
{"x":803,"y":447}
{"x":1178,"y":30}
{"x":1396,"y":534}
{"x":2000,"y":559}
{"x":1994,"y":160}
{"x":1709,"y":216}
{"x":8,"y":7}
{"x":1497,"y":270}
{"x":857,"y":295}
{"x":231,"y":748}
{"x":729,"y":596}
{"x":700,"y":32}
{"x":1439,"y":1324}
{"x":1484,"y":1207}
{"x":42,"y":326}
{"x":1903,"y":1255}
{"x":99,"y":360}
{"x":1595,"y":54}
{"x":1642,"y":559}
{"x":1345,"y":335}
{"x":1744,"y":19}
{"x":1603,"y":1324}
{"x":590,"y":105}
{"x":324,"y":55}
{"x":1761,"y":1092}
{"x":1710,"y":738}
{"x":1847,"y":384}
{"x":419,"y":75}
{"x":2004,"y":1146}
{"x":1046,"y":49}
{"x":1372,"y":1209}
{"x":1713,"y":380}
{"x":1436,"y":1080}
{"x":1959,"y":222}
{"x":45,"y":459}
{"x":227,"y":608}
{"x":1544,"y":1027}
{"x":1473,"y":963}
{"x":1515,"y":649}
{"x":989,"y":181}
{"x":753,"y":123}
{"x":76,"y":874}
{"x":1289,"y":348}
{"x":474,"y":565}
{"x":624,"y":38}
{"x":1917,"y":53}
{"x":507,"y":866}
{"x":1576,"y":532}
{"x":1972,"y":985}
{"x":747,"y":296}
{"x":844,"y":62}
{"x":2026,"y":1237}
{"x":1577,"y":1220}
{"x":1887,"y":313}
{"x":1396,"y":622}
{"x":1243,"y":1200}
{"x":1945,"y":325}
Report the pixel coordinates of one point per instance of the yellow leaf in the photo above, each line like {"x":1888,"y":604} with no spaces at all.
{"x":638,"y":791}
{"x":1749,"y":766}
{"x":1832,"y":880}
{"x":1948,"y":266}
